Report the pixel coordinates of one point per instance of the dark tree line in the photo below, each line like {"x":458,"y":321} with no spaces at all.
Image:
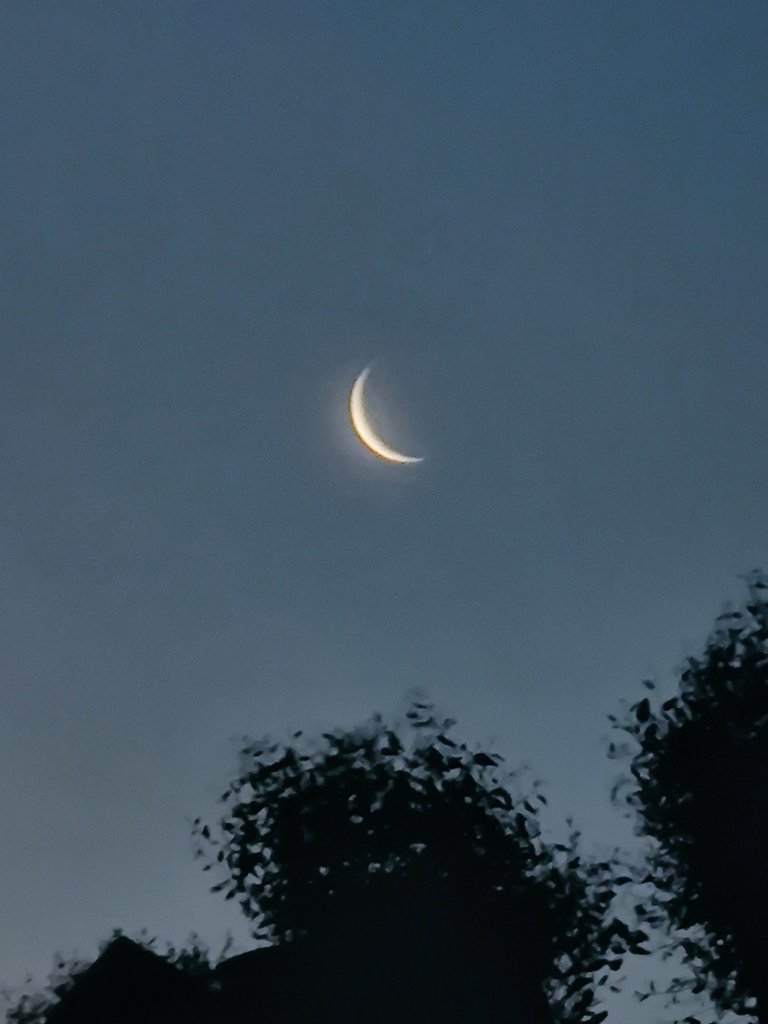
{"x":408,"y":871}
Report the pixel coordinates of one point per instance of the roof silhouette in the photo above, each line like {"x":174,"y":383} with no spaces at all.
{"x":295,"y":983}
{"x":129,"y":984}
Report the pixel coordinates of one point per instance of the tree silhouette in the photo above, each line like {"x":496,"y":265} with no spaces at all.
{"x":699,"y":769}
{"x":414,"y":882}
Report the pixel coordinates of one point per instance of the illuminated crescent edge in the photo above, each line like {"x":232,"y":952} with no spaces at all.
{"x":363,"y":428}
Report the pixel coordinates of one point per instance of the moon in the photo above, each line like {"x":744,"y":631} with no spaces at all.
{"x":363,"y":428}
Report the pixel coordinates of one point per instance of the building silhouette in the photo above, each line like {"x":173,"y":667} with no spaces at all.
{"x":290,"y":984}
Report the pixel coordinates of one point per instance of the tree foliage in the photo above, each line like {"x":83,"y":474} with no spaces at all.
{"x":699,"y":767}
{"x":401,"y":836}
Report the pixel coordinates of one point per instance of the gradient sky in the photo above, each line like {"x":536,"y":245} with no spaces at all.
{"x":543,"y":225}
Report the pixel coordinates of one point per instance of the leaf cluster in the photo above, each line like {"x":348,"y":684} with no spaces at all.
{"x":699,"y":767}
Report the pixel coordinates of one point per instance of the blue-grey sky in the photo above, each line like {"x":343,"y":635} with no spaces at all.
{"x":543,"y":225}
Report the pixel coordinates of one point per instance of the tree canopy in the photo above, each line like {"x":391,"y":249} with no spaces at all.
{"x":405,"y":855}
{"x":699,"y":767}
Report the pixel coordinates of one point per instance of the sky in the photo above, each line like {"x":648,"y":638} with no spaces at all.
{"x":543,"y":227}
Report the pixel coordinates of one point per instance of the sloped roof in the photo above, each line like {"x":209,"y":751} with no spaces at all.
{"x":303,"y":983}
{"x":129,"y":984}
{"x":262,"y":985}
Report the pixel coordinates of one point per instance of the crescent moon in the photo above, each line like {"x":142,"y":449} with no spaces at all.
{"x":363,"y":428}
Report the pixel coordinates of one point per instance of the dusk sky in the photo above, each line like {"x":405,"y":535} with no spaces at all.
{"x":543,"y":226}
